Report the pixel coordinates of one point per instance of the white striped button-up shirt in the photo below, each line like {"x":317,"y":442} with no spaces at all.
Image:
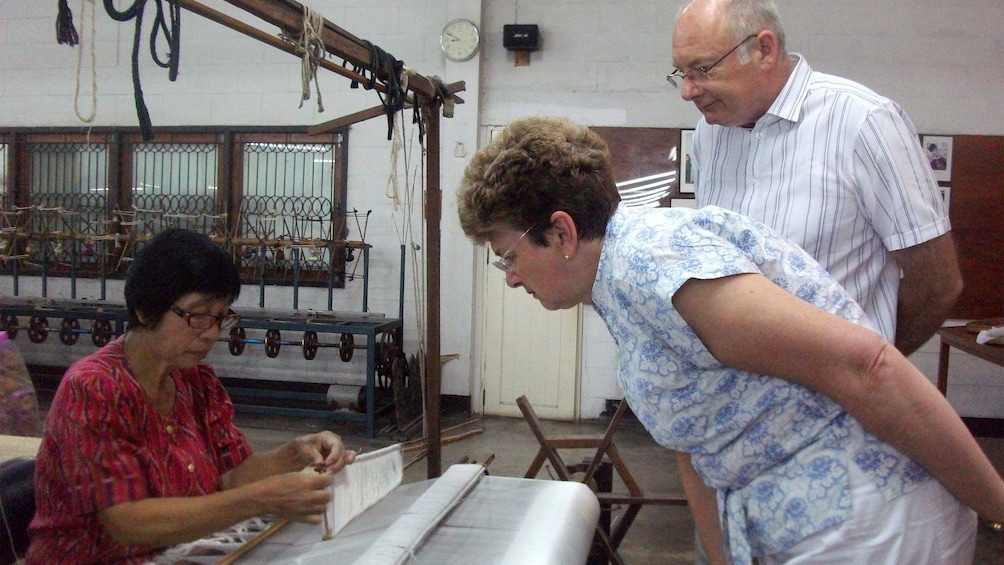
{"x":839,"y":170}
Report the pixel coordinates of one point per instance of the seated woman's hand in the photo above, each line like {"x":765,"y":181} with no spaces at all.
{"x":301,"y":497}
{"x":324,"y":450}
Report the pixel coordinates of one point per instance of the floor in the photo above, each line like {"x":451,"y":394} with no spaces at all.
{"x":660,"y":534}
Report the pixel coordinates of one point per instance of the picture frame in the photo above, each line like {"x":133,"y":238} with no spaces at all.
{"x":938,"y":149}
{"x":686,"y":161}
{"x":946,"y":196}
{"x":645,"y":163}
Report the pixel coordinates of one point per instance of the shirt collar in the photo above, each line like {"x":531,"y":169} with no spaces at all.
{"x":788,"y":104}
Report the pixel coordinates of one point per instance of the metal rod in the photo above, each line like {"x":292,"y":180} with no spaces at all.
{"x":366,"y":278}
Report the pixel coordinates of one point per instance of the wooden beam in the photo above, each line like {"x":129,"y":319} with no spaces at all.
{"x":345,"y":121}
{"x":287,"y":15}
{"x":433,"y":360}
{"x":271,"y":40}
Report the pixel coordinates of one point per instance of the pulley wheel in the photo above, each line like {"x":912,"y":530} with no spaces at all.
{"x":272,"y":343}
{"x":346,"y":347}
{"x":309,"y":345}
{"x":38,"y":329}
{"x":238,"y":339}
{"x":101,"y":332}
{"x":69,"y":331}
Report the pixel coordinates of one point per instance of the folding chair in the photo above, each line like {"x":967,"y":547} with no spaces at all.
{"x":605,"y":448}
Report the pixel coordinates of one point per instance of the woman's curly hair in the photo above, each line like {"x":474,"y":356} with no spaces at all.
{"x":538,"y":165}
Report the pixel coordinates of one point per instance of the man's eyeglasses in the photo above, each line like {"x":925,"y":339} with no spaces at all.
{"x":701,"y":75}
{"x":505,"y":261}
{"x":205,"y":321}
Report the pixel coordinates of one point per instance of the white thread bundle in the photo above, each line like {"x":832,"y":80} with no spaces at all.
{"x":363,"y":483}
{"x":212,"y":548}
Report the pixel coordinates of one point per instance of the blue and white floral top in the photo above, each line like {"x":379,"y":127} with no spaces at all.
{"x":777,"y":452}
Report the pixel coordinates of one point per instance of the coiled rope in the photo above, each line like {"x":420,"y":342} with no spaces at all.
{"x":311,"y":48}
{"x":173,"y":38}
{"x":396,"y":95}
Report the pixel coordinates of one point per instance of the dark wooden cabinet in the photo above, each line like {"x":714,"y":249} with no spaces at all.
{"x":977,"y":214}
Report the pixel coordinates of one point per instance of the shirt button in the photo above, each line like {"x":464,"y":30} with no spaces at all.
{"x":170,"y":429}
{"x":759,"y":135}
{"x":191,"y":467}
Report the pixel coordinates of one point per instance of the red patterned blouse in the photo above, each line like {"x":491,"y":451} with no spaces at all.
{"x":104,"y":444}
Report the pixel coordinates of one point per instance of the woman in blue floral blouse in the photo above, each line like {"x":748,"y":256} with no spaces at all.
{"x":802,"y":435}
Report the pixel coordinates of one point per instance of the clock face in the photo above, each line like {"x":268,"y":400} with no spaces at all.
{"x":460,"y":40}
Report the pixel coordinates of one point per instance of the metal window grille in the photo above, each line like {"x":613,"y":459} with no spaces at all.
{"x":287,"y":208}
{"x":174,"y":185}
{"x":68,"y":206}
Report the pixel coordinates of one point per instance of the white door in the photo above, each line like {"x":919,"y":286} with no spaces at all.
{"x":528,"y":350}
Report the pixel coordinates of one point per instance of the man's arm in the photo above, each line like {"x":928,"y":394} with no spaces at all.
{"x":703,"y":502}
{"x":930,"y":285}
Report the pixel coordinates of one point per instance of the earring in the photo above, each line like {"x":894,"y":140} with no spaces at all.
{"x":567,"y":257}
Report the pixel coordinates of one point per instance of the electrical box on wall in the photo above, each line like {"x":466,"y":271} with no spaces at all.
{"x":521,"y":37}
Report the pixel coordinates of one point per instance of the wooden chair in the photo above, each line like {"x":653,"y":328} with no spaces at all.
{"x":606,"y":449}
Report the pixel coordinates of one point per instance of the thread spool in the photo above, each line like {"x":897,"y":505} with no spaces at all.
{"x":346,"y":397}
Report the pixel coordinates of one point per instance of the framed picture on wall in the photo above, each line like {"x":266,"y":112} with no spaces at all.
{"x":946,"y":195}
{"x":938,"y":149}
{"x":645,"y":162}
{"x":686,"y":163}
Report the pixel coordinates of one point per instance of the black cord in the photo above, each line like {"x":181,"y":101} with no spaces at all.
{"x":172,"y":36}
{"x":394,"y":102}
{"x":65,"y":32}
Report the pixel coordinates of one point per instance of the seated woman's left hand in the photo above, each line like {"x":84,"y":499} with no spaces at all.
{"x":324,"y":450}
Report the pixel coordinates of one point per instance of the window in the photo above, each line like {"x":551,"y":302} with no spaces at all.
{"x":82,"y":205}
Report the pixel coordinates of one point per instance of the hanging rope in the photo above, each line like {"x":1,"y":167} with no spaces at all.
{"x":405,"y":203}
{"x":311,"y":48}
{"x":173,"y":38}
{"x":80,"y":61}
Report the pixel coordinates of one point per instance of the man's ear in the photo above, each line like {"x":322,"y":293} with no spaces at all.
{"x":766,"y":45}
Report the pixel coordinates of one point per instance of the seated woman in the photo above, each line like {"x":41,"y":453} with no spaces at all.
{"x":140,"y":451}
{"x":803,"y":436}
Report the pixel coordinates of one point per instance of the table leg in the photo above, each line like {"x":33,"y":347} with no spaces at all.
{"x":943,"y":368}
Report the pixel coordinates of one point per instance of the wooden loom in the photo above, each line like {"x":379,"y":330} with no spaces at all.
{"x":424,"y":93}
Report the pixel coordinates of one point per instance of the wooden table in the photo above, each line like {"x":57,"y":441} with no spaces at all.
{"x":965,"y":341}
{"x":12,"y":447}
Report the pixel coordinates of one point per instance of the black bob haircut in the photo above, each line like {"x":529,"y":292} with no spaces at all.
{"x":174,"y":263}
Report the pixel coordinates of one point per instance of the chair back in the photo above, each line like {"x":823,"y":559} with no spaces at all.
{"x":17,"y":507}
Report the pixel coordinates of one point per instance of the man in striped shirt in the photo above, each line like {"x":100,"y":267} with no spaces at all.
{"x":827,"y":162}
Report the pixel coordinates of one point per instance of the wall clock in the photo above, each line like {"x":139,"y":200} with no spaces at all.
{"x":460,"y":40}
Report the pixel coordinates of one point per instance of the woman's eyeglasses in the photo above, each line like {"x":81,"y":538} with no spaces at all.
{"x":505,"y":261}
{"x":205,"y":321}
